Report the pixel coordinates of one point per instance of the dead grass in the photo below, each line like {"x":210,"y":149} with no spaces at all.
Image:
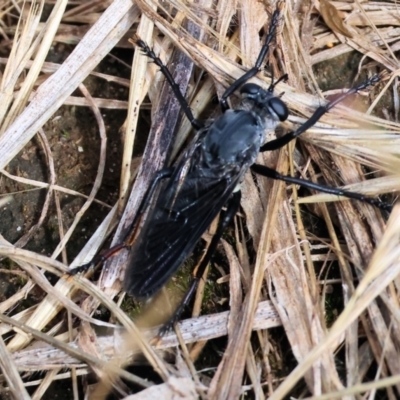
{"x":287,"y":286}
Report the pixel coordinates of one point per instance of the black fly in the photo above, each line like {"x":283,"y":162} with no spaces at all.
{"x":183,"y":200}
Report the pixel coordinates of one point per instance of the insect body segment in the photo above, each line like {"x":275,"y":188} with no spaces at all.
{"x":265,"y":102}
{"x":173,"y":227}
{"x":187,"y":204}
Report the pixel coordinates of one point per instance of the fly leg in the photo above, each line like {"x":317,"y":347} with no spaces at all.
{"x":100,"y":258}
{"x":175,"y":87}
{"x":318,"y":113}
{"x":271,"y":173}
{"x":232,"y":208}
{"x":257,"y":66}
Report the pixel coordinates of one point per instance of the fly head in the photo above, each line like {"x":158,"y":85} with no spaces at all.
{"x":264,"y":102}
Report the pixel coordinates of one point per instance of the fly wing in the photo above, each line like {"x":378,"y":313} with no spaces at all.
{"x":183,"y":211}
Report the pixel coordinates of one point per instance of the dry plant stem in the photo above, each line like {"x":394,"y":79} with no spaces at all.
{"x":198,"y":299}
{"x":243,"y":253}
{"x":360,"y":389}
{"x":22,"y":317}
{"x":99,"y":295}
{"x":351,"y":341}
{"x":226,"y":383}
{"x":186,"y":356}
{"x":387,"y":86}
{"x":87,"y":342}
{"x":50,"y":67}
{"x":362,"y":40}
{"x":22,"y":49}
{"x":39,"y":279}
{"x":301,"y":230}
{"x":60,"y":225}
{"x":136,"y":95}
{"x":154,"y":158}
{"x":373,"y":26}
{"x":86,"y":254}
{"x":253,"y":208}
{"x":110,"y":104}
{"x":360,"y":250}
{"x":77,"y":353}
{"x":11,"y":301}
{"x":193,"y":330}
{"x":11,"y":374}
{"x":64,"y":375}
{"x":41,"y":46}
{"x":303,"y":321}
{"x":253,"y":373}
{"x":252,"y":17}
{"x":383,"y":268}
{"x":235,"y":287}
{"x":316,"y":313}
{"x":226,"y":10}
{"x":44,"y":185}
{"x":293,"y":49}
{"x":99,"y":40}
{"x":371,"y":187}
{"x":45,"y":383}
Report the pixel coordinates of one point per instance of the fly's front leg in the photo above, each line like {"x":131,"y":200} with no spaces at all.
{"x":170,"y":79}
{"x":318,"y":113}
{"x":100,"y":258}
{"x":232,"y":208}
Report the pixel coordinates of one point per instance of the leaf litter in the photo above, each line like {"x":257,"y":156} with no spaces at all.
{"x":279,"y":300}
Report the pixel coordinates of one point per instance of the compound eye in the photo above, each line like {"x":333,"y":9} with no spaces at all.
{"x":250,"y":89}
{"x":279,"y":108}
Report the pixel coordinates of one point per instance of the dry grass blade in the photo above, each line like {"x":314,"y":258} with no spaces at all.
{"x":359,"y":389}
{"x":77,"y":353}
{"x":92,"y":290}
{"x":43,"y":185}
{"x":137,"y":92}
{"x":383,"y":269}
{"x":103,"y":36}
{"x":10,"y":371}
{"x":316,"y":276}
{"x":41,"y":47}
{"x":50,"y":308}
{"x":193,"y":330}
{"x":22,"y":50}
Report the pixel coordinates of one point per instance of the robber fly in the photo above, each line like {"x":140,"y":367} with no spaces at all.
{"x":183,"y":200}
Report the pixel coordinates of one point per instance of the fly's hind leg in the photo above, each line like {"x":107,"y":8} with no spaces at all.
{"x":232,"y":208}
{"x":271,"y":173}
{"x":130,"y":237}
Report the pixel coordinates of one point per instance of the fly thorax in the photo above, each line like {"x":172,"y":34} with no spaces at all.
{"x":234,"y":138}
